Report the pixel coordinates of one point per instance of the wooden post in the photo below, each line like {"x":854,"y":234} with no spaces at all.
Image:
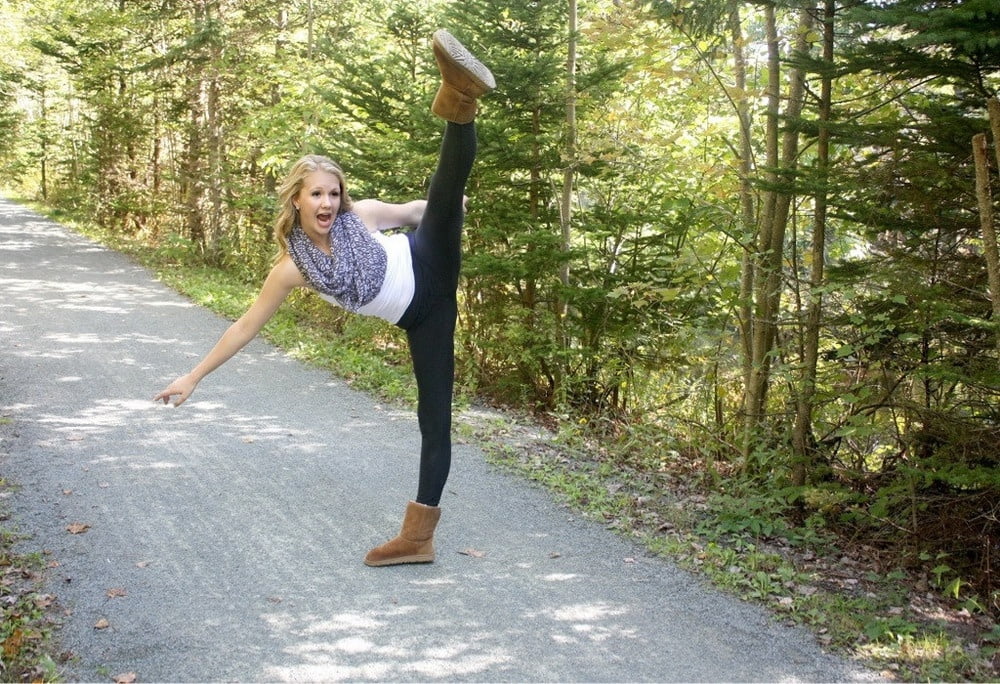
{"x":993,"y":106}
{"x":990,"y":250}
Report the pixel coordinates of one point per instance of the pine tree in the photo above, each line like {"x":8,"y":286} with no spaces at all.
{"x":916,"y":331}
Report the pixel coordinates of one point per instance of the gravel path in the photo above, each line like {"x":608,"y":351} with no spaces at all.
{"x":224,"y":538}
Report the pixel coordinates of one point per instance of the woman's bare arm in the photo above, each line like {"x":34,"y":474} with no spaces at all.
{"x":282,"y":279}
{"x":378,"y":215}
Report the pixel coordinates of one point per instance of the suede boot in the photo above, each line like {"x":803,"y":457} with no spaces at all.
{"x":463,"y":79}
{"x":415,"y":543}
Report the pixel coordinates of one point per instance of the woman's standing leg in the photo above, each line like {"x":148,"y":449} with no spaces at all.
{"x":432,"y":350}
{"x":436,"y":250}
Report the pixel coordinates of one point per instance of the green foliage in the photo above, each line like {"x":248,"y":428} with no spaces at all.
{"x":893,"y":628}
{"x":11,"y":125}
{"x":909,"y":323}
{"x":957,"y":41}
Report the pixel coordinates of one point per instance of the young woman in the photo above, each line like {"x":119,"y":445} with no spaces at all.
{"x":335,"y":246}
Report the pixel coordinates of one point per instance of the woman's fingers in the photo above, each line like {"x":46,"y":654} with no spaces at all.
{"x":166,"y":395}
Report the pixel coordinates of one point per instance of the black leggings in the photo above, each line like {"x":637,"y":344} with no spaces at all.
{"x":429,"y":321}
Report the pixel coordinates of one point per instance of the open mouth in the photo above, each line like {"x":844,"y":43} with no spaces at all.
{"x":324,"y":219}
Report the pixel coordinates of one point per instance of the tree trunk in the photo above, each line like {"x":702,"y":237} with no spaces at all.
{"x":569,"y":173}
{"x":802,"y":431}
{"x":280,"y":45}
{"x":204,"y":154}
{"x":194,"y":165}
{"x":756,"y":387}
{"x":155,"y":161}
{"x":214,"y":139}
{"x":566,"y":199}
{"x":993,"y":106}
{"x":771,"y":242}
{"x":748,"y":214}
{"x":44,"y":144}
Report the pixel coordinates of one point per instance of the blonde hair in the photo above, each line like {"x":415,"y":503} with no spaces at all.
{"x":289,"y":189}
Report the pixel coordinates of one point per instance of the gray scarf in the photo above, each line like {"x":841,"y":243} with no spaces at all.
{"x":354,"y":274}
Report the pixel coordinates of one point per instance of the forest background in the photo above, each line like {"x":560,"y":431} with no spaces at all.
{"x":746,"y":248}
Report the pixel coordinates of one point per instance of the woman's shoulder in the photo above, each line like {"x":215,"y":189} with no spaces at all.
{"x":286,"y":272}
{"x":368,"y":211}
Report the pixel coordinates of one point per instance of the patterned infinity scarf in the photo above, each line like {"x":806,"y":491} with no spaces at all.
{"x":354,"y":274}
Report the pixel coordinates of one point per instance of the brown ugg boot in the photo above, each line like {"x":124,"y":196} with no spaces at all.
{"x":415,"y":543}
{"x":463,"y":79}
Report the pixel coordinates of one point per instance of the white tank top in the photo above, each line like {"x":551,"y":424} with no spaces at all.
{"x":397,"y":287}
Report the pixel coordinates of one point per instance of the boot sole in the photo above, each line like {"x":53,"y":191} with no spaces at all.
{"x":464,"y":59}
{"x":403,"y":560}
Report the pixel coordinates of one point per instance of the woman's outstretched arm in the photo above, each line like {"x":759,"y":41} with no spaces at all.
{"x":282,"y":279}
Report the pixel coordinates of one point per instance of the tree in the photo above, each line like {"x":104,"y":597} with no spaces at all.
{"x":803,"y":439}
{"x":12,"y":66}
{"x":513,"y":263}
{"x":922,"y":410}
{"x":768,"y":260}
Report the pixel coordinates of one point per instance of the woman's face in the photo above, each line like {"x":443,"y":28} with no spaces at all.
{"x":318,"y":203}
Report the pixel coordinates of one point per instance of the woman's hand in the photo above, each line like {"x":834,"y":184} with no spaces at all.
{"x":182,"y":388}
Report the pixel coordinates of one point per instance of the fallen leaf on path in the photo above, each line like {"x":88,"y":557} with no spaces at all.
{"x":630,"y":560}
{"x":117,"y":592}
{"x":142,"y":564}
{"x":12,"y":644}
{"x":74,"y":438}
{"x":67,"y":492}
{"x":473,"y":553}
{"x":102,"y":624}
{"x":125,"y":678}
{"x":77,"y":528}
{"x":555,"y":554}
